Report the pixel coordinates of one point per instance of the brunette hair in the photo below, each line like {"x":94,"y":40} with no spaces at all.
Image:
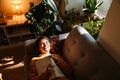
{"x":39,"y":39}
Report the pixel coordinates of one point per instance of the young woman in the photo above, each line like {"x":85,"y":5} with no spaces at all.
{"x":43,"y":49}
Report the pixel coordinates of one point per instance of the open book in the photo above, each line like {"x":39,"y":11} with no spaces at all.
{"x":42,"y":64}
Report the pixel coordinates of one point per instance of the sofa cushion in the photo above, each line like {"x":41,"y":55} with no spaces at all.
{"x":29,"y":45}
{"x":76,"y":53}
{"x":88,"y":60}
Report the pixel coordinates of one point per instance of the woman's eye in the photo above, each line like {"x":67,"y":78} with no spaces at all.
{"x":41,"y":44}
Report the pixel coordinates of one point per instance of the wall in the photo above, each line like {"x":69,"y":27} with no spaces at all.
{"x":103,"y":9}
{"x":77,"y":4}
{"x":4,"y":8}
{"x":109,"y":36}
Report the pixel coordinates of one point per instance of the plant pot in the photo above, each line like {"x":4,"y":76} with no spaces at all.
{"x":89,"y":15}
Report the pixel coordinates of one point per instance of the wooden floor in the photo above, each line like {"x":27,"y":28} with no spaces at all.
{"x":12,"y":68}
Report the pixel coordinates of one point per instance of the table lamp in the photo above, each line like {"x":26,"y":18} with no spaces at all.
{"x":16,"y":4}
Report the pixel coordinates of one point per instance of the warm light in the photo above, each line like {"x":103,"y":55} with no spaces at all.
{"x":17,"y":7}
{"x":16,"y":2}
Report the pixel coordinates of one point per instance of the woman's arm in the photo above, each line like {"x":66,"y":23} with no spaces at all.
{"x":64,"y":66}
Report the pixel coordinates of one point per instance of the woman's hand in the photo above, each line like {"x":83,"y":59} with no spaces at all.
{"x":49,"y":69}
{"x":47,"y":74}
{"x":56,"y":56}
{"x":58,"y":59}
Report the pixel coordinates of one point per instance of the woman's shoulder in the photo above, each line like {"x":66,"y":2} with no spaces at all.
{"x":40,"y":56}
{"x":57,"y":56}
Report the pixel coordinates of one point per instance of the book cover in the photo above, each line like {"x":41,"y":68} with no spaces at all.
{"x":42,"y":64}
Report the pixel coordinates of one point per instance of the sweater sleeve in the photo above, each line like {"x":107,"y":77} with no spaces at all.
{"x":64,"y":66}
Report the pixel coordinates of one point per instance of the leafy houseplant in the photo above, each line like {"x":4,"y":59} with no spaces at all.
{"x":40,"y":15}
{"x":93,"y":27}
{"x":91,"y":6}
{"x":43,"y":16}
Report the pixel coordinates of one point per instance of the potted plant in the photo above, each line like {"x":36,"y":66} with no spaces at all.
{"x":93,"y":27}
{"x":43,"y":16}
{"x":90,"y":7}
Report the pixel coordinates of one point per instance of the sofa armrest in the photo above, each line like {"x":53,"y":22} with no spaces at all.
{"x":89,"y":60}
{"x":12,"y":50}
{"x":63,"y":36}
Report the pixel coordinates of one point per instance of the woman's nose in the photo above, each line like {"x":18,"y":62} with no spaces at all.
{"x":45,"y":44}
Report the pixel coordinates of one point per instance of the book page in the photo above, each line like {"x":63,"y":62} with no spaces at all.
{"x":42,"y":64}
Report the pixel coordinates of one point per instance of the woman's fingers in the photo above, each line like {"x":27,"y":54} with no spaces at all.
{"x":50,"y":69}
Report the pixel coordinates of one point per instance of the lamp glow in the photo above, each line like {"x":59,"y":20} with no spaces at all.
{"x":17,"y":6}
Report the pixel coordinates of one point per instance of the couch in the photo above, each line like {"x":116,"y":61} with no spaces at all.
{"x":89,"y":61}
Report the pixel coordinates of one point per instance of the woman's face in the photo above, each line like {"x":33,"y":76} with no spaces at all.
{"x":44,"y":46}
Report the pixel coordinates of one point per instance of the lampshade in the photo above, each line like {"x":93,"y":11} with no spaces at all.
{"x":17,"y":6}
{"x":16,"y":2}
